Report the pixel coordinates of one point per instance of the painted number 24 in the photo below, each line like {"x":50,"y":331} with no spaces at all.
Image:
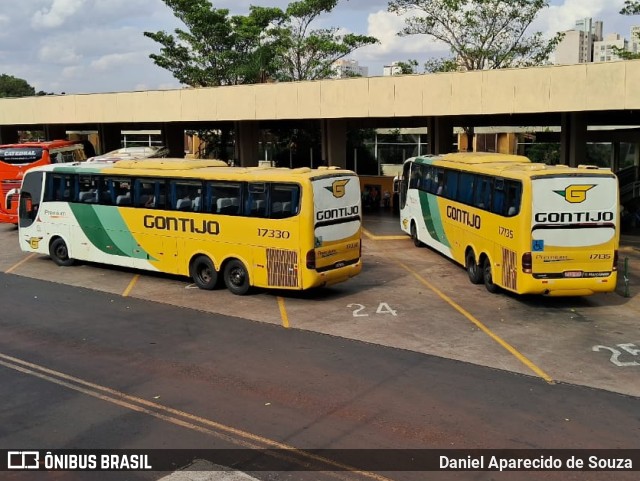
{"x":383,"y":308}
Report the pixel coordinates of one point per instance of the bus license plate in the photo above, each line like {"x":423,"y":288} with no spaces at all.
{"x":573,"y":274}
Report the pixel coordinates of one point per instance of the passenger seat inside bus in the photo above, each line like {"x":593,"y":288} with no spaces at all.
{"x":124,"y":199}
{"x":184,"y":204}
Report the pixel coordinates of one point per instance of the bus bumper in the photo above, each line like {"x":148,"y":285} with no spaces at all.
{"x":335,"y":276}
{"x":570,"y":287}
{"x":6,"y":218}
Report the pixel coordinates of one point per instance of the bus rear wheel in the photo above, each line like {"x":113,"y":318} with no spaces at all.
{"x":236,"y":277}
{"x":473,"y":269}
{"x":59,"y":252}
{"x":203,"y":273}
{"x":488,"y":278}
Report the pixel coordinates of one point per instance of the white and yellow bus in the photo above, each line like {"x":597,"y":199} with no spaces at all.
{"x":525,"y":227}
{"x":263,"y":227}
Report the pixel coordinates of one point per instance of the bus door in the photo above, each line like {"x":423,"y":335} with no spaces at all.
{"x":574,"y":226}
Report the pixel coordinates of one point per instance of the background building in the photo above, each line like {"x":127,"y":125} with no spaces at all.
{"x":393,"y":69}
{"x":577,"y":44}
{"x":603,"y":51}
{"x":348,"y":68}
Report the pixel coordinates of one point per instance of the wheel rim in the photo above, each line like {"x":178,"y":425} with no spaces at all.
{"x":61,"y":252}
{"x":204,"y":274}
{"x":237,"y":276}
{"x":487,"y":273}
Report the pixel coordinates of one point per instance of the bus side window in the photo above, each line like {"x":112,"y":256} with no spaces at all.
{"x":256,"y":205}
{"x":451,"y":184}
{"x":514,"y":193}
{"x":497,"y":203}
{"x":482,"y":197}
{"x":284,"y":200}
{"x":465,"y":188}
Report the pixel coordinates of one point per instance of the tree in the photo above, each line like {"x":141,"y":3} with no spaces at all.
{"x":482,"y":34}
{"x":307,"y":54}
{"x":11,"y":86}
{"x":216,"y":49}
{"x":631,"y":7}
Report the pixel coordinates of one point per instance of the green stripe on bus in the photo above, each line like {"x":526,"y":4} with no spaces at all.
{"x":107,"y":231}
{"x":432,"y":218}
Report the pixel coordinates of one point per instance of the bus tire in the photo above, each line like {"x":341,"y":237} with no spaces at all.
{"x":236,"y":277}
{"x":473,"y":269}
{"x":59,"y":252}
{"x":488,"y":277}
{"x":203,"y":273}
{"x":414,"y":235}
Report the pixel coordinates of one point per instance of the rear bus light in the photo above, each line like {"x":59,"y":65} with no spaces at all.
{"x":615,"y":260}
{"x":311,"y":259}
{"x":527,"y":263}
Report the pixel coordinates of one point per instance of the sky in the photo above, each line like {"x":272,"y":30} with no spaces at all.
{"x":93,"y":46}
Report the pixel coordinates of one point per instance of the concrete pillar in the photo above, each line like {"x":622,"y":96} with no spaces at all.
{"x":173,"y":135}
{"x":615,"y":156}
{"x":247,"y":136}
{"x":8,"y":134}
{"x":110,"y":137}
{"x":334,"y":142}
{"x":440,"y":131}
{"x":636,"y":160}
{"x":55,"y":131}
{"x":573,"y":139}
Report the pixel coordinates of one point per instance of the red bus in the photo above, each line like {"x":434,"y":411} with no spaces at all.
{"x":16,"y":159}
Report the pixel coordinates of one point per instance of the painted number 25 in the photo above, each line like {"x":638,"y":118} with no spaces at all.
{"x":615,"y":354}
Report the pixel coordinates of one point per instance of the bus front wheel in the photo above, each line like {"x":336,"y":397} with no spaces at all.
{"x":59,"y":253}
{"x":473,"y":269}
{"x":236,"y":277}
{"x":414,"y":235}
{"x":488,"y":277}
{"x":203,"y":273}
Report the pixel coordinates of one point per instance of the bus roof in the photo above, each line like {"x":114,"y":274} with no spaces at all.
{"x":190,"y":168}
{"x":507,"y":165}
{"x":45,"y":144}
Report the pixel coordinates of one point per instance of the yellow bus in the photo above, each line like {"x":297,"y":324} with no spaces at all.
{"x":524,"y":227}
{"x":264,"y":227}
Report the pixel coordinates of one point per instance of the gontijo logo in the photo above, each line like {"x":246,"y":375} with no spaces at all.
{"x":575,"y":194}
{"x":338,"y":188}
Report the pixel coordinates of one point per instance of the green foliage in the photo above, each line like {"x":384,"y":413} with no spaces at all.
{"x":305,"y":53}
{"x":408,"y":67}
{"x":215,"y":48}
{"x":481,"y":34}
{"x":631,"y":7}
{"x":545,"y":153}
{"x":441,"y":65}
{"x":268,"y":43}
{"x":11,"y":86}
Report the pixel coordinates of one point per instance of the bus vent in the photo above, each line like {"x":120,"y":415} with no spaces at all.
{"x":282,"y":268}
{"x":509,"y":269}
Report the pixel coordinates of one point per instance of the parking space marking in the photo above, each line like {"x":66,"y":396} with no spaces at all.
{"x":383,"y":237}
{"x":18,"y":264}
{"x":519,"y":356}
{"x":283,"y":313}
{"x":171,"y":415}
{"x":131,"y":285}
